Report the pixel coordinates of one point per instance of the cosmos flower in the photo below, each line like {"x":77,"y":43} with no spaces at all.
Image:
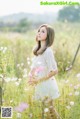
{"x":78,"y":76}
{"x":14,"y":79}
{"x":3,"y":49}
{"x":71,"y":85}
{"x":76,"y":87}
{"x":21,"y":107}
{"x":1,"y":76}
{"x":25,"y":75}
{"x":18,"y":65}
{"x":22,"y":64}
{"x":68,"y":107}
{"x":28,"y":62}
{"x":46,"y":110}
{"x":17,"y":83}
{"x":30,"y":115}
{"x":7,"y":79}
{"x":26,"y":89}
{"x":70,"y":94}
{"x":66,"y":81}
{"x":76,"y":93}
{"x":71,"y":103}
{"x":11,"y":101}
{"x":19,"y":115}
{"x":28,"y":58}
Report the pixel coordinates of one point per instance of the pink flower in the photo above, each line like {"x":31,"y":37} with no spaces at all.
{"x":39,"y":69}
{"x":21,"y":107}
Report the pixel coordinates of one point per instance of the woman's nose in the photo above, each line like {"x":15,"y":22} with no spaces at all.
{"x":39,"y":33}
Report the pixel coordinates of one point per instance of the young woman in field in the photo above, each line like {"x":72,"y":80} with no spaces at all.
{"x":43,"y":70}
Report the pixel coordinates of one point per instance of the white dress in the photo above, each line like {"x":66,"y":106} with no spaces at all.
{"x":42,"y":65}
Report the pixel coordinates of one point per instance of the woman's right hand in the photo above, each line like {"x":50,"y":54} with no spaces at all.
{"x":33,"y":81}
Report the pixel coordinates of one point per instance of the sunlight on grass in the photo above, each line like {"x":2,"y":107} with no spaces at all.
{"x":15,"y":63}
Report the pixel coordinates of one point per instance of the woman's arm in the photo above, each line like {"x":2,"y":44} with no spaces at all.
{"x":51,"y":73}
{"x":35,"y":81}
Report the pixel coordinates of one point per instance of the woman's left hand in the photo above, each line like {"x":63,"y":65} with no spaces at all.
{"x":33,"y":82}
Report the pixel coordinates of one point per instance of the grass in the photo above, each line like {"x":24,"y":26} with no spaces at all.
{"x":15,"y":62}
{"x":68,"y":104}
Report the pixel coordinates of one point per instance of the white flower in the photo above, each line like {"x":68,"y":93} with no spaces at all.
{"x":68,"y":107}
{"x":66,"y":81}
{"x":28,"y":62}
{"x":11,"y":101}
{"x":25,"y":70}
{"x":22,"y":64}
{"x":4,"y":50}
{"x":18,"y":115}
{"x":1,"y":48}
{"x":76,"y":93}
{"x":26,"y":89}
{"x":1,"y":76}
{"x":24,"y":75}
{"x":19,"y":79}
{"x":78,"y":76}
{"x":30,"y":115}
{"x":76,"y":87}
{"x":3,"y":100}
{"x":28,"y":58}
{"x":14,"y":79}
{"x":70,"y":94}
{"x":46,"y":110}
{"x":68,"y":68}
{"x":71,"y":103}
{"x":18,"y":65}
{"x":7,"y":79}
{"x":71,"y":85}
{"x":17,"y":83}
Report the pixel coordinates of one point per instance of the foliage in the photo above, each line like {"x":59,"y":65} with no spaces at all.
{"x":22,"y":26}
{"x":70,"y":14}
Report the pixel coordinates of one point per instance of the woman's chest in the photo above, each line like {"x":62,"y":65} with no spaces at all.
{"x":39,"y":61}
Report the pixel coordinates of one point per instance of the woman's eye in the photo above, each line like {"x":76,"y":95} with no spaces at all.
{"x":42,"y":31}
{"x":38,"y":30}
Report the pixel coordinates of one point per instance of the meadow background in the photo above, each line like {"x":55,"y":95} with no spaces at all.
{"x":15,"y":61}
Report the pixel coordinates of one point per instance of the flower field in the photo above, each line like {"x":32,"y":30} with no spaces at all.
{"x":15,"y":63}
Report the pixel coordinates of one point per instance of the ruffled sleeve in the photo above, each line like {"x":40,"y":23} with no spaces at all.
{"x":50,"y":60}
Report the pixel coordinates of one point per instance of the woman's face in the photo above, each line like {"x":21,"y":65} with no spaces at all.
{"x":42,"y":34}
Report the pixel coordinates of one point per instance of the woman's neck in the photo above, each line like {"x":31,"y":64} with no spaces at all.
{"x":43,"y":44}
{"x":42,"y":48}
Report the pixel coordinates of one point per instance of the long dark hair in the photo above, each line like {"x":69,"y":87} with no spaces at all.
{"x":49,"y":40}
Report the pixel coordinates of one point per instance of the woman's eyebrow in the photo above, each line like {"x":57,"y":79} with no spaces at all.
{"x":38,"y":30}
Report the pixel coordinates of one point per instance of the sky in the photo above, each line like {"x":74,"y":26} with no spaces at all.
{"x":8,"y":7}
